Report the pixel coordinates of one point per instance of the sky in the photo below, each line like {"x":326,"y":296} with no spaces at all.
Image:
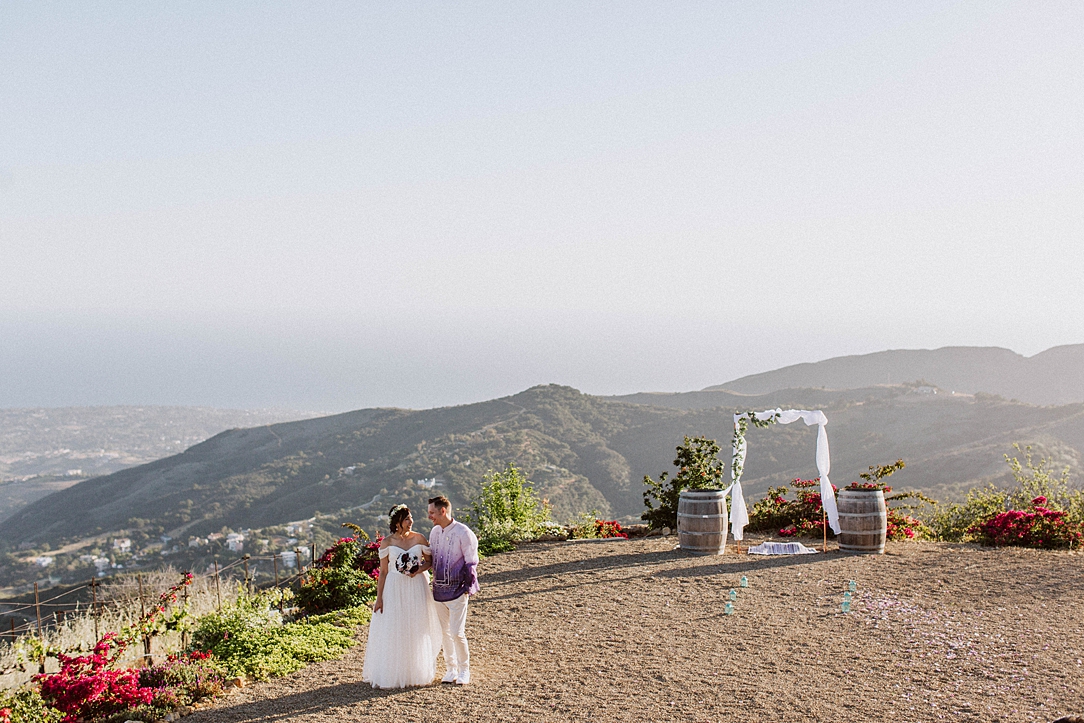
{"x":328,"y":206}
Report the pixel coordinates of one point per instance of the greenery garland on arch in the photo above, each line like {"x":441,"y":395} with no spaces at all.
{"x":742,"y":420}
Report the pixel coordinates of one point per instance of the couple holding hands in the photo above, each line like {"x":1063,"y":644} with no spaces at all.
{"x":410,"y":623}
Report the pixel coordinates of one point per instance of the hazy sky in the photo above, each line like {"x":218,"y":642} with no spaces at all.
{"x":337,"y":205}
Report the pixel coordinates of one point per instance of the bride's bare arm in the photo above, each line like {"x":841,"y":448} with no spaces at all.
{"x":378,"y":606}
{"x":427,"y":558}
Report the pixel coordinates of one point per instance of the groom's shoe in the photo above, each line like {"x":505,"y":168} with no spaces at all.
{"x":463,"y":678}
{"x":450,"y":676}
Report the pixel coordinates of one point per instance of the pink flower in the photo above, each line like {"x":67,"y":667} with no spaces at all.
{"x":1040,"y":500}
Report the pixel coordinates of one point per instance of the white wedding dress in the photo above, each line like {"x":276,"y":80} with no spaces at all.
{"x":405,"y":638}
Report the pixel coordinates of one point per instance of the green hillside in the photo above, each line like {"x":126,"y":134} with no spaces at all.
{"x":582,"y":452}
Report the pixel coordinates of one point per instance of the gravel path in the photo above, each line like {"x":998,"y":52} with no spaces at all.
{"x":616,"y":631}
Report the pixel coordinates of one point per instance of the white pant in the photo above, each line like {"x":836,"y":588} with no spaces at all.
{"x":453,"y":623}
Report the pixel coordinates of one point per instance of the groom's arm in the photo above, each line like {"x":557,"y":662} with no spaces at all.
{"x":468,"y":546}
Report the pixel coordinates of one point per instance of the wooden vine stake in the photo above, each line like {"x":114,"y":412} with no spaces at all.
{"x":218,"y":590}
{"x":147,"y":660}
{"x":184,"y":630}
{"x":41,"y":635}
{"x":95,"y":612}
{"x":824,"y":527}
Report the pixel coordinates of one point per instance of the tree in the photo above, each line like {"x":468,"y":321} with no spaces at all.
{"x":699,"y":468}
{"x":506,"y":511}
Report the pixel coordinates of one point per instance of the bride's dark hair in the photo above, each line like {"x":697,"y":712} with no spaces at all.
{"x":397,"y":515}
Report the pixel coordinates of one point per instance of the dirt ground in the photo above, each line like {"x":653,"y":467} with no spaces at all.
{"x":623,"y":631}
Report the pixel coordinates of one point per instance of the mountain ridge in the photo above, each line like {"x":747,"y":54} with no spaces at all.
{"x":1051,"y":377}
{"x":582,"y":452}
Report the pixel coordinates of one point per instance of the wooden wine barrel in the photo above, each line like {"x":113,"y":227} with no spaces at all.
{"x":701,"y":522}
{"x":863,"y":521}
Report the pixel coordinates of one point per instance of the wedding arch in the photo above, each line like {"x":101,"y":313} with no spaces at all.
{"x":739,"y":515}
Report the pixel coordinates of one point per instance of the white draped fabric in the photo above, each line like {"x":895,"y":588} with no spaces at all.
{"x":739,"y":515}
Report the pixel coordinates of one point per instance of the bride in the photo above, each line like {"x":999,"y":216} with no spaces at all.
{"x":404,"y":634}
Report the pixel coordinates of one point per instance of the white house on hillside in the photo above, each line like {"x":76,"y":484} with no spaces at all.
{"x":235,"y":542}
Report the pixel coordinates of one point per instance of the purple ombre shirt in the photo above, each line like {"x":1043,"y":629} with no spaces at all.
{"x":455,"y":561}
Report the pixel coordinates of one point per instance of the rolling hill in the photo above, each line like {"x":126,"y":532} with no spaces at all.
{"x":43,"y":450}
{"x":1055,"y":376}
{"x":582,"y":452}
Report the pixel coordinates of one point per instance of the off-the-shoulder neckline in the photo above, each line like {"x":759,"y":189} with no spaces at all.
{"x":406,"y":549}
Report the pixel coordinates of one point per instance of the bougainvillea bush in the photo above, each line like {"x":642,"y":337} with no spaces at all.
{"x":901,"y":524}
{"x":801,"y":516}
{"x":188,"y":677}
{"x":345,"y":576}
{"x":246,"y":637}
{"x":1038,"y":510}
{"x":589,"y":527}
{"x":87,"y":687}
{"x":1040,"y":527}
{"x":610,"y":529}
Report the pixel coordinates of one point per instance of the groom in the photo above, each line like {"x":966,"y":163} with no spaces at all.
{"x":455,"y":579}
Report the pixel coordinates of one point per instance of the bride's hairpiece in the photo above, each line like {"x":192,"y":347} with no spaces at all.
{"x":393,"y":523}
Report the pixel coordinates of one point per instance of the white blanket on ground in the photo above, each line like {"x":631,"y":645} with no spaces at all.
{"x":781,"y":548}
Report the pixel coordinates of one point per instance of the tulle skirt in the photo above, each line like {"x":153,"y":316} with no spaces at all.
{"x":405,"y":638}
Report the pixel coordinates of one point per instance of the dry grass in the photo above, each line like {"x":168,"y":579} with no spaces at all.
{"x":120,"y":608}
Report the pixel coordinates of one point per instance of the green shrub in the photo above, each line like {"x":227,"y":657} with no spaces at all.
{"x":26,"y":706}
{"x":350,"y":618}
{"x":506,"y":511}
{"x":194,"y":676}
{"x":965,"y":522}
{"x":954,"y":522}
{"x":584,"y":526}
{"x":249,"y":638}
{"x":179,"y":680}
{"x":1035,"y":480}
{"x":699,"y":468}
